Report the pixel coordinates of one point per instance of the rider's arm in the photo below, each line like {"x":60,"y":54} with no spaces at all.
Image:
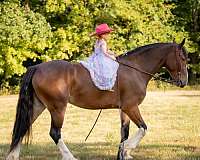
{"x":105,"y":51}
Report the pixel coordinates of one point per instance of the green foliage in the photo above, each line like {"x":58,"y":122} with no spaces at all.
{"x":187,"y":14}
{"x":188,"y":20}
{"x":136,"y":23}
{"x":59,"y":29}
{"x":22,"y":33}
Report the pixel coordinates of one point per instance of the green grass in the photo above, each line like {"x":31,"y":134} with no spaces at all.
{"x":172,"y":117}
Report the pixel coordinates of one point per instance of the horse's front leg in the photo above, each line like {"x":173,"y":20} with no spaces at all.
{"x":125,"y":122}
{"x":131,"y":143}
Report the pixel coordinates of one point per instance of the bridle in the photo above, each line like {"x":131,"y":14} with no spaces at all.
{"x":178,"y":61}
{"x":157,"y":77}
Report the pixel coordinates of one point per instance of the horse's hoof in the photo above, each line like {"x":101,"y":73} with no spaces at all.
{"x":127,"y":155}
{"x":121,"y":152}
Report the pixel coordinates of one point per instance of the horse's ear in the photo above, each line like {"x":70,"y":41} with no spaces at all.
{"x":182,"y":43}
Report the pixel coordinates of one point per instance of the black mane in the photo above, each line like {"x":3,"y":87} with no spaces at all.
{"x":143,"y":48}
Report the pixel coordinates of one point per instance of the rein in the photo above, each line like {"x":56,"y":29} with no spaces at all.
{"x":178,"y":63}
{"x":93,"y":125}
{"x":145,"y":72}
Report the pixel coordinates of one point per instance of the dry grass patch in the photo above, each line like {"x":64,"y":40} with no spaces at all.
{"x":173,"y":119}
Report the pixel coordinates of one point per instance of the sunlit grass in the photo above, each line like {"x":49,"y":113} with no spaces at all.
{"x":173,"y":119}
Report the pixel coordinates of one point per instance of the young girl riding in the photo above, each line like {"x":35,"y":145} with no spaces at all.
{"x":101,"y":64}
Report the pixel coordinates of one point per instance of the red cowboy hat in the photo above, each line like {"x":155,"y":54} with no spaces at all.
{"x":101,"y":29}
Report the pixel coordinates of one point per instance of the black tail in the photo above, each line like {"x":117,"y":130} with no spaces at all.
{"x":24,"y":111}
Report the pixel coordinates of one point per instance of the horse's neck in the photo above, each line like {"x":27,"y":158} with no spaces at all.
{"x":149,"y":61}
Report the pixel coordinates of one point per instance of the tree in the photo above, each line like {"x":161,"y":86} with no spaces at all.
{"x":59,"y":29}
{"x":136,"y":23}
{"x":22,"y":35}
{"x":187,"y":14}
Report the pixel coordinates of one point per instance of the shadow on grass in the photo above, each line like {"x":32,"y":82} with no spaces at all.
{"x":105,"y":151}
{"x":49,"y":151}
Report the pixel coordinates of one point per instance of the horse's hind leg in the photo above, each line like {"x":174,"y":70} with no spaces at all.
{"x":57,"y":118}
{"x":38,"y":108}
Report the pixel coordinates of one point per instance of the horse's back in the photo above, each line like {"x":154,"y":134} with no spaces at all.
{"x":54,"y":66}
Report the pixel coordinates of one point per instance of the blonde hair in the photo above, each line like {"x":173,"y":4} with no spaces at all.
{"x":101,"y":36}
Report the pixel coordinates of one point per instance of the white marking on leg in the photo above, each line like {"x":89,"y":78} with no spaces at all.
{"x":132,"y":143}
{"x":14,"y":154}
{"x":66,"y":154}
{"x":127,"y":155}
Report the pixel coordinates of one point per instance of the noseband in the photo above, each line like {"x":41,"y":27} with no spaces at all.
{"x":178,"y":52}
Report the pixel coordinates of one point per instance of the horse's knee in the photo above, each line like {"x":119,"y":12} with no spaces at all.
{"x":55,"y":134}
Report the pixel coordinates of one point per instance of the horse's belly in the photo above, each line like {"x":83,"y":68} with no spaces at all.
{"x":87,"y":106}
{"x":90,"y":103}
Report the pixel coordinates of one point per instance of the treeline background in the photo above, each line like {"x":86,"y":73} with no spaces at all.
{"x":35,"y":31}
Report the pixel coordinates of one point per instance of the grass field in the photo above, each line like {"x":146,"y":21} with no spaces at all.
{"x":173,"y":119}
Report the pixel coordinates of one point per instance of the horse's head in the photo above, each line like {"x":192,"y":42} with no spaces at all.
{"x":176,"y":64}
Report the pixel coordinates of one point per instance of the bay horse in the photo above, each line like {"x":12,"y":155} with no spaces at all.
{"x":51,"y":85}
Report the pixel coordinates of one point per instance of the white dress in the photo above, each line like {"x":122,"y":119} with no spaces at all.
{"x":103,"y":69}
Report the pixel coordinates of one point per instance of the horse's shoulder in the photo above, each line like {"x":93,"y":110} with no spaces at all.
{"x":132,"y":85}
